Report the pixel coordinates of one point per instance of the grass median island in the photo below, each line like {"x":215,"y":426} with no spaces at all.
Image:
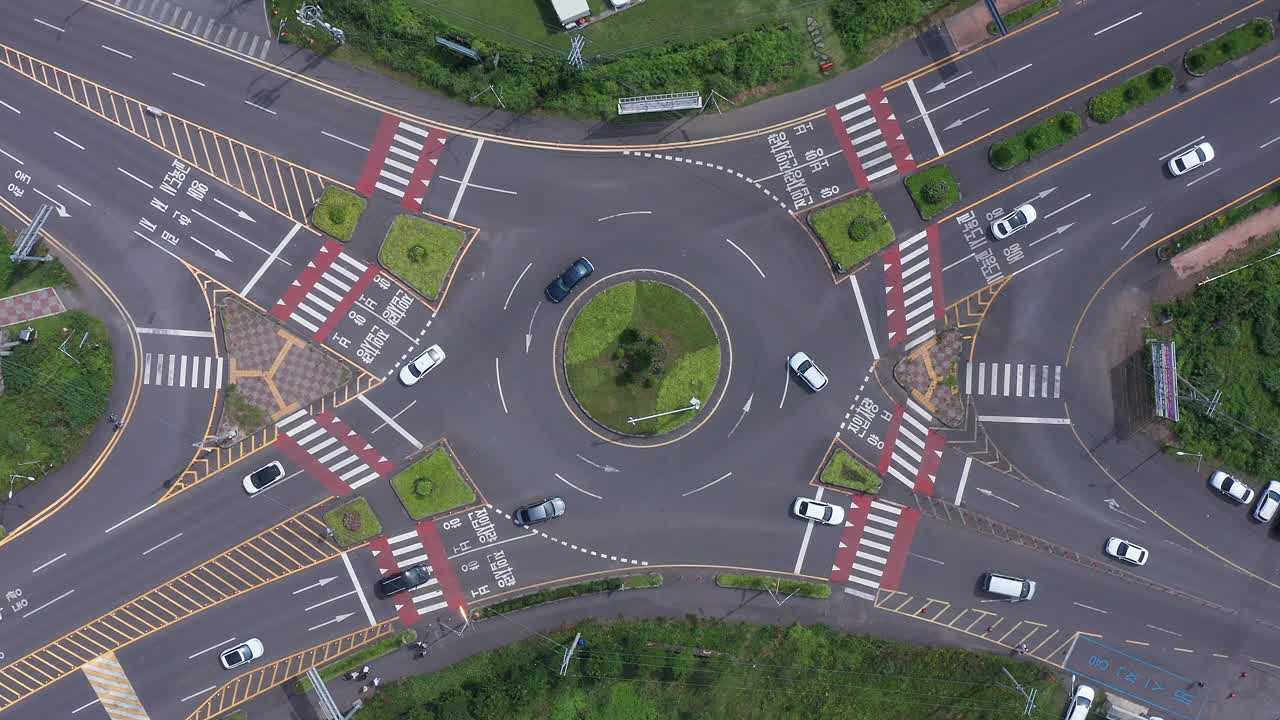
{"x":844,"y":470}
{"x":1231,"y":45}
{"x":933,"y":190}
{"x":719,"y":670}
{"x":637,"y":349}
{"x":357,"y":659}
{"x":1030,"y":11}
{"x":852,"y":230}
{"x":1130,"y":94}
{"x":353,"y":522}
{"x":432,"y":485}
{"x":590,"y":587}
{"x":338,"y":212}
{"x":52,"y":402}
{"x":420,"y":252}
{"x":1035,"y":140}
{"x":777,"y":585}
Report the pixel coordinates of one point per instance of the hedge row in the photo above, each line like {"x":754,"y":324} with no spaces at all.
{"x":1231,"y":45}
{"x":1035,"y":140}
{"x":1132,"y":93}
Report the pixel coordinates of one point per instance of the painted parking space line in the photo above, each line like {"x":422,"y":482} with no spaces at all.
{"x":1120,"y":672}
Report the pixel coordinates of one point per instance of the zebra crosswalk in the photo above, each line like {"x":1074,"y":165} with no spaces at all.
{"x":398,"y":552}
{"x":201,"y":372}
{"x":114,"y":691}
{"x":912,"y":452}
{"x":1013,"y":380}
{"x":874,"y":545}
{"x":402,"y":161}
{"x":330,"y":451}
{"x":323,"y":292}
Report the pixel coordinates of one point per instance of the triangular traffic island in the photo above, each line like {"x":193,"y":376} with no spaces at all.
{"x":352,"y":523}
{"x":928,"y":373}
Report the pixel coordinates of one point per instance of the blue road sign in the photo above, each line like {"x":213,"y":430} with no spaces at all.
{"x":1119,"y":672}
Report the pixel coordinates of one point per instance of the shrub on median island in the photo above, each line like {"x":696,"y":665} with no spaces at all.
{"x":852,"y":230}
{"x":1133,"y":93}
{"x":1035,"y":140}
{"x":933,"y":190}
{"x":1231,"y":45}
{"x":777,"y":585}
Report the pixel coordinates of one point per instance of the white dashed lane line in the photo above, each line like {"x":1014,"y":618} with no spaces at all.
{"x":565,"y":543}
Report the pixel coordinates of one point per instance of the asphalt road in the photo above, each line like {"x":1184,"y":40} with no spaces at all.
{"x":719,"y":218}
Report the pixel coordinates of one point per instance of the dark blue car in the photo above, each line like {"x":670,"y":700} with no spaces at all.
{"x":560,"y":288}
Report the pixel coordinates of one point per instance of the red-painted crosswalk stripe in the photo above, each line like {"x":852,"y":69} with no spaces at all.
{"x":386,"y":562}
{"x":330,"y":451}
{"x":424,"y":170}
{"x":893,"y":296}
{"x":377,"y":154}
{"x":340,"y":310}
{"x":440,"y":565}
{"x":908,"y":520}
{"x":306,"y":280}
{"x":891,"y":130}
{"x":366,"y":452}
{"x":313,"y":467}
{"x":913,"y":288}
{"x":927,"y":476}
{"x":890,"y":440}
{"x":846,"y":145}
{"x":854,"y":521}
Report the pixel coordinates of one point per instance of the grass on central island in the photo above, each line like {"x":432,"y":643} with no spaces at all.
{"x":338,"y":212}
{"x":353,"y":522}
{"x":852,"y":230}
{"x":432,"y":485}
{"x":421,"y":252}
{"x":640,"y":348}
{"x":845,"y":471}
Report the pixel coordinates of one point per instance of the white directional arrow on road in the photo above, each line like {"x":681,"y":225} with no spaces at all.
{"x":943,"y":85}
{"x":239,"y":213}
{"x":216,"y":252}
{"x":1111,"y":503}
{"x":1040,"y":196}
{"x":745,"y":409}
{"x":962,"y":121}
{"x":62,"y":209}
{"x":606,"y":467}
{"x":1141,"y":226}
{"x":988,"y":493}
{"x":1057,"y":231}
{"x":528,"y":336}
{"x":336,"y":619}
{"x":320,"y":583}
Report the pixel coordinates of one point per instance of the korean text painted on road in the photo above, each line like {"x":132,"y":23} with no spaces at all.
{"x":1120,"y":672}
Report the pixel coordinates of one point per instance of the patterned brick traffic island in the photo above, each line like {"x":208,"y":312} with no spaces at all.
{"x":929,"y":374}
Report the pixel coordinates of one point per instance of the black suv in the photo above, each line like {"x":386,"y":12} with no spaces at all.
{"x":407,"y":579}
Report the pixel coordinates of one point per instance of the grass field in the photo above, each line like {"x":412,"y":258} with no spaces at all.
{"x":432,"y":485}
{"x":716,"y":670}
{"x":421,"y":252}
{"x":365,"y":524}
{"x":779,"y":586}
{"x":675,"y":356}
{"x":845,"y":471}
{"x":835,"y":228}
{"x":51,"y":402}
{"x":338,"y":212}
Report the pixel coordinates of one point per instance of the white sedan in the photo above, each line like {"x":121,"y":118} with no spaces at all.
{"x":1231,"y":488}
{"x":250,"y":649}
{"x":1126,"y":551}
{"x":427,"y":361}
{"x":818,"y":511}
{"x":1193,"y":158}
{"x":808,"y":371}
{"x":1022,"y":216}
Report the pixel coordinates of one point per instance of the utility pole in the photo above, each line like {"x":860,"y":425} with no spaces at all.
{"x":1030,"y":707}
{"x":327,"y":704}
{"x":575,"y":51}
{"x":312,"y":16}
{"x":27,"y":241}
{"x":568,"y":653}
{"x":694,"y":404}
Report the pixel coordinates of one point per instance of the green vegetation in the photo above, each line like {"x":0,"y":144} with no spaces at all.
{"x":1218,"y":223}
{"x":357,"y":659}
{"x":717,"y":670}
{"x":1132,"y":93}
{"x":590,"y":587}
{"x":637,"y":349}
{"x":353,"y":522}
{"x":432,"y":485}
{"x":852,"y":230}
{"x":777,"y":585}
{"x":845,"y":471}
{"x":338,"y":212}
{"x":3,"y":532}
{"x":1231,"y":45}
{"x":238,"y":715}
{"x":1228,"y":338}
{"x":933,"y":189}
{"x":51,"y":402}
{"x":1035,"y":140}
{"x":17,"y":278}
{"x":1027,"y":12}
{"x":244,"y":414}
{"x":421,"y":252}
{"x":867,"y":27}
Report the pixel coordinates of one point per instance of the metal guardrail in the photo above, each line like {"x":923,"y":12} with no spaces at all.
{"x":659,"y":103}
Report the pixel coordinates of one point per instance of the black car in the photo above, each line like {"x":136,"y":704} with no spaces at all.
{"x":407,"y":579}
{"x":560,"y":288}
{"x":541,"y":511}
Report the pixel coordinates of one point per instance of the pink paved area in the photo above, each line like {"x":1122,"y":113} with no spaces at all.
{"x":30,"y":306}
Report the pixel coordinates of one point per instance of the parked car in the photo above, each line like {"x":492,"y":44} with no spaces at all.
{"x":426,"y":361}
{"x":540,"y":511}
{"x":820,"y":512}
{"x":1192,"y":158}
{"x":405,"y":580}
{"x":250,"y":649}
{"x":808,"y":371}
{"x":1022,"y":216}
{"x":1081,"y":701}
{"x":263,"y":478}
{"x":566,"y":281}
{"x":1231,"y":488}
{"x":1126,"y":551}
{"x":1268,"y":503}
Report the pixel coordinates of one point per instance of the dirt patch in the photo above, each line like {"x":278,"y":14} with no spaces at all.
{"x":1234,"y":242}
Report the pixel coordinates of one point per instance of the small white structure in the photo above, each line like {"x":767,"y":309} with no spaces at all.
{"x":570,"y":12}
